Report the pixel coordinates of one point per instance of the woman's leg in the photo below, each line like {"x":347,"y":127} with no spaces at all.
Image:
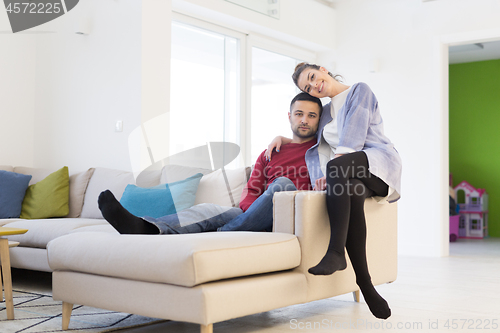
{"x":349,"y":183}
{"x":339,"y":191}
{"x":356,"y":248}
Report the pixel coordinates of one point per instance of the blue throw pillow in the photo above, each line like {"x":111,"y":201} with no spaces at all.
{"x":161,"y":200}
{"x":12,"y":190}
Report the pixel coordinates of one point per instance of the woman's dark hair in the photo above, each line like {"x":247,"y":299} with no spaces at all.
{"x":306,"y":97}
{"x":303,"y":65}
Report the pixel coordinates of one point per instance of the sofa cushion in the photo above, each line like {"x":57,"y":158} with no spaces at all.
{"x":48,"y":197}
{"x":96,"y":228}
{"x":104,"y":179}
{"x":215,"y":189}
{"x":40,"y":232}
{"x":161,"y":200}
{"x":173,"y":173}
{"x":12,"y":191}
{"x":7,"y":221}
{"x":77,"y":187}
{"x":7,"y":168}
{"x":184,"y":260}
{"x":37,"y":174}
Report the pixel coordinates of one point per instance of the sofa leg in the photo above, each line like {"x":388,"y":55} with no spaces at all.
{"x":66,"y":315}
{"x":356,"y":294}
{"x":207,"y":328}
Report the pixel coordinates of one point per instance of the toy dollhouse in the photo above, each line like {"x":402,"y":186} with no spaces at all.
{"x":473,"y":203}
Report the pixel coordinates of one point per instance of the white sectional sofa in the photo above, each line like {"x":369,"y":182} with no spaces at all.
{"x":84,"y":214}
{"x":32,"y":252}
{"x":199,"y":278}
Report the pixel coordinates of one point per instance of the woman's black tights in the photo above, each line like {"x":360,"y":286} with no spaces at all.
{"x":348,"y":184}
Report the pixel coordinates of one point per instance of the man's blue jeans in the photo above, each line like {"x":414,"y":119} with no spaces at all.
{"x":258,"y":217}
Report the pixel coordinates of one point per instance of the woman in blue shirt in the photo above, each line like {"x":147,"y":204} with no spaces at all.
{"x":352,"y":160}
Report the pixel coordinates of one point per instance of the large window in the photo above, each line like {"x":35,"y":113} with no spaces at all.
{"x":227,"y":87}
{"x":272,"y":91}
{"x":205,"y":91}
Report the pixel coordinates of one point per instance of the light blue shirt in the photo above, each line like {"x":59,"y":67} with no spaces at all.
{"x":360,"y":128}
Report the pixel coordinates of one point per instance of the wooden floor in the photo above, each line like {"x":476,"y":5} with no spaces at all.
{"x":459,"y":293}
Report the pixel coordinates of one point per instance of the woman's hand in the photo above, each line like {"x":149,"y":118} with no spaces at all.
{"x":276,"y":143}
{"x":320,"y":184}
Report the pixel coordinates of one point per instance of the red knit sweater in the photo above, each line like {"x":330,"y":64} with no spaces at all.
{"x":289,"y":162}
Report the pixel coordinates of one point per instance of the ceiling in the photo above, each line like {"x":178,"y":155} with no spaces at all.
{"x":474,"y":52}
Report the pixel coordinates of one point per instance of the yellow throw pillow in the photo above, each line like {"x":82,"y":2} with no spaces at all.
{"x":48,"y":198}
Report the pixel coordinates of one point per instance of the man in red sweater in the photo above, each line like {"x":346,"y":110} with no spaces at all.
{"x":286,"y":171}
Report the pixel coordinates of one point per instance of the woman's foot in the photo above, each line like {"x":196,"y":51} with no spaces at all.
{"x":121,"y":219}
{"x":378,"y":306}
{"x":331,"y":262}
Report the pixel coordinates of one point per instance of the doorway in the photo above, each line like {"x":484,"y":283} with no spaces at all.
{"x":460,"y":49}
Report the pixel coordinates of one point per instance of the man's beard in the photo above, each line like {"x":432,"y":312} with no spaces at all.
{"x":307,"y":135}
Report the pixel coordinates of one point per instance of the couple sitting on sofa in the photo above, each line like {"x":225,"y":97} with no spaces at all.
{"x":287,"y":171}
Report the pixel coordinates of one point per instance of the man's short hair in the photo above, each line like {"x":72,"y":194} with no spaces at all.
{"x":306,"y":97}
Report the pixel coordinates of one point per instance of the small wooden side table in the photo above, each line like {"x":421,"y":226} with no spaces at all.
{"x":5,"y":258}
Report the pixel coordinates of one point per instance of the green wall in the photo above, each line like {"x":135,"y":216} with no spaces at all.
{"x":475,"y":130}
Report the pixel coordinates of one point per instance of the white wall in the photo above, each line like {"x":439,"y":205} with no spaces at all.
{"x":408,"y":38}
{"x":85,"y":83}
{"x":17,"y":93}
{"x":63,"y":92}
{"x":155,"y":88}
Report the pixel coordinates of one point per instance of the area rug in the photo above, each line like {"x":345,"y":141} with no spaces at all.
{"x":39,"y":313}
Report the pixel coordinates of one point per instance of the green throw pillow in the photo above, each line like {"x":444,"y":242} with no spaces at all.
{"x":48,"y":198}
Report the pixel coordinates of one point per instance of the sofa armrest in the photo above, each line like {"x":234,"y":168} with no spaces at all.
{"x":284,"y":212}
